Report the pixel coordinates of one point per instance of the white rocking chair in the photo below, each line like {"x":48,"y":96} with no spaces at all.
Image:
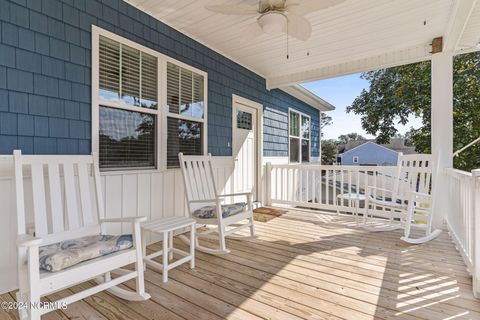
{"x":408,"y":204}
{"x":63,"y":210}
{"x":201,"y":191}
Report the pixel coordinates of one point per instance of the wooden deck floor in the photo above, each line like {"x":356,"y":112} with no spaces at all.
{"x":303,"y":265}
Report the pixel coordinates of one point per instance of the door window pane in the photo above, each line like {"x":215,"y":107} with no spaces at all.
{"x":244,"y":120}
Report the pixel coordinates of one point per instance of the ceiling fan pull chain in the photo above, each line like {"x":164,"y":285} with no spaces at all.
{"x":287,"y":41}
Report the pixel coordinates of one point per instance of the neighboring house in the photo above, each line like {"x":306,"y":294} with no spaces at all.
{"x":361,"y":152}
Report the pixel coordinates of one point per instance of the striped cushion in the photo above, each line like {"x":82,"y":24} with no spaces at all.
{"x":61,"y":255}
{"x":209,"y":212}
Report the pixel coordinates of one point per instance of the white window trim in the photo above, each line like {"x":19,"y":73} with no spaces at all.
{"x":355,"y":159}
{"x":161,"y":112}
{"x":300,"y":136}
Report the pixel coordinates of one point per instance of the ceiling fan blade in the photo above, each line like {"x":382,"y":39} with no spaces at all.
{"x":299,"y":27}
{"x":275,"y":3}
{"x":305,"y":6}
{"x":233,"y":9}
{"x":252,"y":31}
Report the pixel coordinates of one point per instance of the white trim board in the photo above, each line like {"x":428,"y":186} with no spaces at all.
{"x":300,"y":138}
{"x":308,"y":97}
{"x":162,"y":114}
{"x":259,"y":137}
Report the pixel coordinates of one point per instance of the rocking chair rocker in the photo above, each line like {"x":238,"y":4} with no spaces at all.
{"x":409,"y":204}
{"x":205,"y":204}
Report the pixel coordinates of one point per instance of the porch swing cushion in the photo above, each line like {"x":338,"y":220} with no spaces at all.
{"x":61,"y":255}
{"x":210,"y":212}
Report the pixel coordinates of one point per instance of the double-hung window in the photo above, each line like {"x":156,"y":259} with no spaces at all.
{"x":185,"y":113}
{"x":299,"y":137}
{"x":128,"y":106}
{"x":150,"y":106}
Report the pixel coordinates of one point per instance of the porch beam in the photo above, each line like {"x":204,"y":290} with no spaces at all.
{"x":380,"y":61}
{"x":461,"y":13}
{"x":442,"y":129}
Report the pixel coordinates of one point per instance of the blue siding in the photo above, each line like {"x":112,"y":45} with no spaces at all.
{"x":370,"y":153}
{"x":45,"y":59}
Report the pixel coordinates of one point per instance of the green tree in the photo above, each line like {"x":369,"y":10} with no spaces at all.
{"x":353,"y":136}
{"x":325,"y":121}
{"x":329,"y":151}
{"x":396,"y":93}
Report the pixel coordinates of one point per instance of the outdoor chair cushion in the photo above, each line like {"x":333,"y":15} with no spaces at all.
{"x":389,"y":202}
{"x":61,"y":255}
{"x":209,"y":212}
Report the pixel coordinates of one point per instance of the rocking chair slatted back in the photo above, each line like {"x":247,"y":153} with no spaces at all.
{"x":62,"y":189}
{"x":414,"y":173}
{"x":197,"y":173}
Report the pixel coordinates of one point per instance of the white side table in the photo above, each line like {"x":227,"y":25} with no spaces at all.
{"x":166,"y":227}
{"x":353,"y":201}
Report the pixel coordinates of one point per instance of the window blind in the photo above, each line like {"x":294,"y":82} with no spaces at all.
{"x":185,"y":91}
{"x":127,"y":139}
{"x":183,"y":136}
{"x":109,"y":64}
{"x":127,"y":74}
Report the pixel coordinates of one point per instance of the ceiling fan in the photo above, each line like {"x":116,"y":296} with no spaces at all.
{"x":277,"y":16}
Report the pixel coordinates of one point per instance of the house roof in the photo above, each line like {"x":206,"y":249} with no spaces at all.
{"x":396,"y":145}
{"x":350,"y":37}
{"x":308,"y":97}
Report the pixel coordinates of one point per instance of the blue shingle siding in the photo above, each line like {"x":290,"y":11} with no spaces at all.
{"x":45,"y":59}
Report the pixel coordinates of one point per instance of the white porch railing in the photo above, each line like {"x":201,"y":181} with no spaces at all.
{"x":463,"y":219}
{"x":317,"y":186}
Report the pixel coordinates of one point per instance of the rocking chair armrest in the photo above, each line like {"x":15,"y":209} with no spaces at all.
{"x":27,"y":240}
{"x":234,"y":194}
{"x":125,"y":220}
{"x":203,"y":201}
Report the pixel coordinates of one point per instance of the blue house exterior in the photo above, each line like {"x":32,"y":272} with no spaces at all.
{"x":45,"y":77}
{"x":369,"y":153}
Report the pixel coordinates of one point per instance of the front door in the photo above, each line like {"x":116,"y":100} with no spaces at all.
{"x":244,"y":148}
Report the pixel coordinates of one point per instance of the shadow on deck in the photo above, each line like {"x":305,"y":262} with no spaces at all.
{"x":303,"y":265}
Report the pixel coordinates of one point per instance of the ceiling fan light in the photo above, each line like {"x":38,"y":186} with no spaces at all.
{"x":272,"y":22}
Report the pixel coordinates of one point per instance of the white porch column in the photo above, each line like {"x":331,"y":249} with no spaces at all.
{"x":442,"y":128}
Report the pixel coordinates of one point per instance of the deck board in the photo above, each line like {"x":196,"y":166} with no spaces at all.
{"x":303,"y":265}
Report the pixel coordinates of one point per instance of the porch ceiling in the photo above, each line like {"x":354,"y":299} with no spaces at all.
{"x":354,"y":36}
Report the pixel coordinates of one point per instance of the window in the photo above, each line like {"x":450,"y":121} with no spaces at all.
{"x":355,"y":159}
{"x":128,"y":82}
{"x":185,"y":117}
{"x":299,"y":137}
{"x":133,"y":81}
{"x":244,"y":120}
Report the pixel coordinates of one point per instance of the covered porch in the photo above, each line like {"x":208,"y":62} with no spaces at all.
{"x":303,"y":265}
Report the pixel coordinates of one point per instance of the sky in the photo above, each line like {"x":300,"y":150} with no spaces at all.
{"x":341,"y":92}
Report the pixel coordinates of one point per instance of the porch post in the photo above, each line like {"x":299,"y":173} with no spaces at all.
{"x":442,"y":129}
